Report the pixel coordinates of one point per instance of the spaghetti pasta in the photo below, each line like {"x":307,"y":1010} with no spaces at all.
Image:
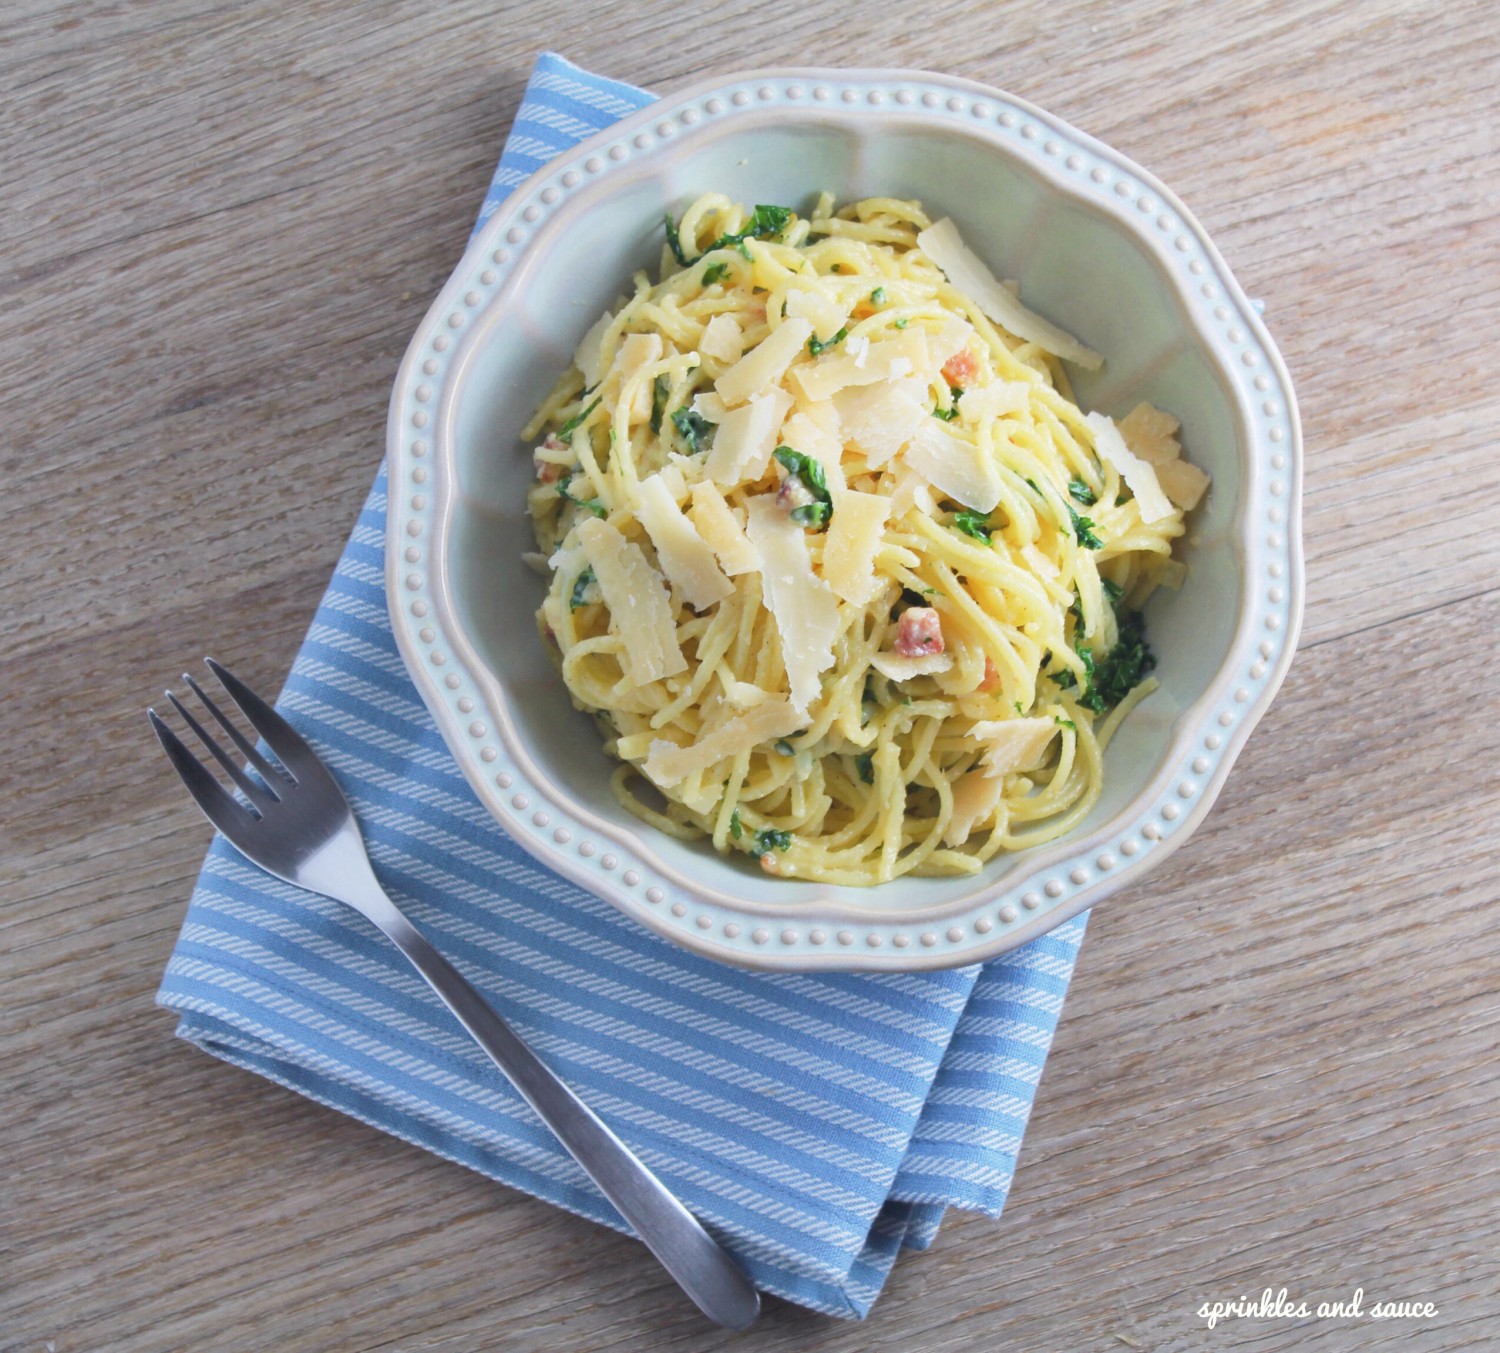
{"x":844,"y":573}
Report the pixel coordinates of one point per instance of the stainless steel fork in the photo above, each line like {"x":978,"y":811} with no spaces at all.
{"x":299,"y":827}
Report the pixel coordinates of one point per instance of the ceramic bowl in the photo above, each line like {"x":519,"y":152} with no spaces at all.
{"x":1098,"y":245}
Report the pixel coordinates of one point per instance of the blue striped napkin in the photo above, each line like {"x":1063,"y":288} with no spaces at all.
{"x":818,"y":1123}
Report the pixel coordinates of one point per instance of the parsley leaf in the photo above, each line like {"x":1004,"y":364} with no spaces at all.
{"x":1064,"y":723}
{"x":694,"y":429}
{"x":901,"y":323}
{"x":1126,"y":666}
{"x":735,"y":830}
{"x":576,"y":421}
{"x":814,"y":479}
{"x":1017,"y":706}
{"x":1082,"y":492}
{"x":769,"y":838}
{"x":877,"y":297}
{"x":812,"y":514}
{"x":585,"y":581}
{"x":715,"y":272}
{"x":674,"y":241}
{"x":785,"y":748}
{"x":1113,"y":591}
{"x":764,"y":222}
{"x":659,"y":388}
{"x":976,"y":524}
{"x":815,"y":347}
{"x":864,"y":763}
{"x":1083,"y":528}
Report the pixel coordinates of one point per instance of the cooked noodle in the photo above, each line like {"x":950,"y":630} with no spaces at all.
{"x":856,"y":608}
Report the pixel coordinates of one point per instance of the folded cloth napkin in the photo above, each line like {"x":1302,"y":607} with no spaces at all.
{"x":817,"y":1123}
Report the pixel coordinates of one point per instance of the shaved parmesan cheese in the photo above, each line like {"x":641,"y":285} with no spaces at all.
{"x":717,"y":525}
{"x":1151,"y":434}
{"x":953,"y":465}
{"x":824,"y":314}
{"x":911,"y":491}
{"x":742,"y":445}
{"x":900,"y":668}
{"x":992,"y":401}
{"x":814,"y":431}
{"x":802,"y":604}
{"x":745,"y":695}
{"x":889,"y":359}
{"x":588,"y":358}
{"x":1012,"y":744}
{"x":668,"y":764}
{"x":1182,"y":482}
{"x":639,"y":606}
{"x":1133,"y":470}
{"x":854,"y":534}
{"x":880,"y":419}
{"x":722,"y":339}
{"x":948,"y":339}
{"x":685,"y":556}
{"x":859,"y":349}
{"x":765,"y":364}
{"x":975,"y":798}
{"x":710,"y":406}
{"x":964,"y":269}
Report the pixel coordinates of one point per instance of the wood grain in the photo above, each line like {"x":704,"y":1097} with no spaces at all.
{"x":223,"y":222}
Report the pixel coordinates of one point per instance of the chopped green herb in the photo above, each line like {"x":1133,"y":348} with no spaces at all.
{"x":715,"y":272}
{"x":906,"y":699}
{"x":694,"y":429}
{"x":674,"y":241}
{"x":812,"y":514}
{"x":976,"y":524}
{"x":815,"y":347}
{"x":659,"y":388}
{"x":735,"y":830}
{"x":901,"y":323}
{"x":837,"y":267}
{"x":877,"y":297}
{"x":1113,"y":591}
{"x":1083,"y":528}
{"x":1017,"y":706}
{"x":576,"y":421}
{"x":769,"y":838}
{"x":1064,"y":723}
{"x":814,"y":479}
{"x":1126,"y":666}
{"x":1082,"y":492}
{"x":785,"y":748}
{"x":864,"y":763}
{"x":764,"y":222}
{"x":1032,"y":485}
{"x":581,"y":588}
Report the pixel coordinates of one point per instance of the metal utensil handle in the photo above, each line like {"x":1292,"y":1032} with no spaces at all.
{"x":700,"y":1265}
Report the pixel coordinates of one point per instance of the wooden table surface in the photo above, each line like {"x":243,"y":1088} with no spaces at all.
{"x":221,"y":223}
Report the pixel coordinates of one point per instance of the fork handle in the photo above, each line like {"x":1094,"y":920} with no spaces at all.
{"x":701,"y":1266}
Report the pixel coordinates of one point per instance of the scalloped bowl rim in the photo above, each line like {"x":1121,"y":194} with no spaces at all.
{"x":619,"y":863}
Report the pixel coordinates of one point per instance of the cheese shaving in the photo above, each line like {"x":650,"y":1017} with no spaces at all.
{"x":638,"y":602}
{"x":966,"y":272}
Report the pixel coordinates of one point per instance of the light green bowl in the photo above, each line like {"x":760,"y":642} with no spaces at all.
{"x":1099,"y":246}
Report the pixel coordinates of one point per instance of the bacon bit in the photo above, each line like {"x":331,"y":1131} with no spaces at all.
{"x":960,"y":369}
{"x":991,"y":680}
{"x":549,"y":471}
{"x":920,"y":633}
{"x":757,"y":313}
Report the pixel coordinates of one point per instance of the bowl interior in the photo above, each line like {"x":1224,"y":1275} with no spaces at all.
{"x":1077,"y":264}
